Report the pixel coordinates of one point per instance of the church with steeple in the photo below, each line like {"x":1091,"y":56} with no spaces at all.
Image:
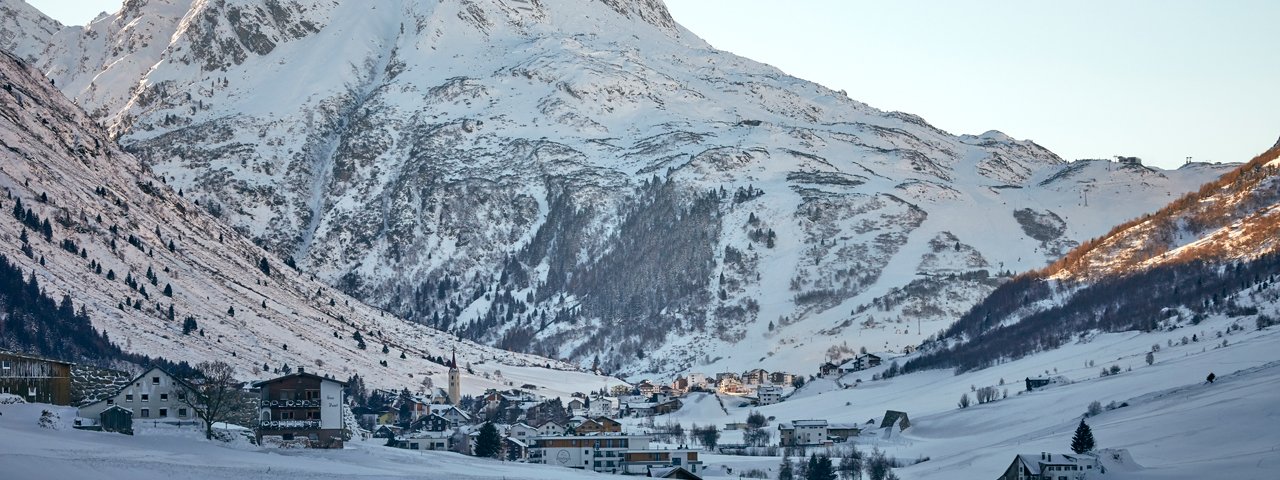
{"x":455,"y":381}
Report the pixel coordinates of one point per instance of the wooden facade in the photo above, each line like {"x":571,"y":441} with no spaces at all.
{"x":302,"y":406}
{"x":35,"y":379}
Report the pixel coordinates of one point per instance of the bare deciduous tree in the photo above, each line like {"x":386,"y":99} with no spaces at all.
{"x":217,"y":394}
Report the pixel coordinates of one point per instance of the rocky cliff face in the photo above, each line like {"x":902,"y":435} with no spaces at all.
{"x":581,"y":178}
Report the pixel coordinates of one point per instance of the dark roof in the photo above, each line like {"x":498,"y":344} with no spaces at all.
{"x":673,"y":472}
{"x":301,"y":375}
{"x":33,"y":357}
{"x":892,"y":417}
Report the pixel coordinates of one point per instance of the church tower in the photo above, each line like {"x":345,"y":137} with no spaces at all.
{"x":455,"y":379}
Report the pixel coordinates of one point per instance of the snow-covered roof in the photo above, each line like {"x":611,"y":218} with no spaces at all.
{"x":1036,"y":462}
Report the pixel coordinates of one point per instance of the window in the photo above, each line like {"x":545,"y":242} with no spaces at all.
{"x":128,"y":397}
{"x":146,"y":413}
{"x":146,"y":397}
{"x":155,"y":380}
{"x":182,"y":412}
{"x":164,"y":412}
{"x":164,"y":397}
{"x":111,"y":401}
{"x":182,"y":395}
{"x":413,"y":446}
{"x":286,"y":415}
{"x":6,"y":365}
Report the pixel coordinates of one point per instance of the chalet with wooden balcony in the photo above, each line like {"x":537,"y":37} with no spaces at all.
{"x":301,"y":406}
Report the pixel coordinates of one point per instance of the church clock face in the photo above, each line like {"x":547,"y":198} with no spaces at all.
{"x":563,"y":457}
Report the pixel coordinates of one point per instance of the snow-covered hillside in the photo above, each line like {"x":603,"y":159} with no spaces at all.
{"x":1172,"y":422}
{"x":36,"y":453}
{"x":141,"y":258}
{"x":1236,"y":217}
{"x":582,"y":178}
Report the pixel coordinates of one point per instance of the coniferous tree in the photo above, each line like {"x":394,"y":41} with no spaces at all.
{"x":820,"y":468}
{"x":785,"y":471}
{"x":1083,"y":440}
{"x":489,"y":443}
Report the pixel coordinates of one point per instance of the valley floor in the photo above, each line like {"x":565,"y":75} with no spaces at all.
{"x":1175,"y":425}
{"x":30,"y":452}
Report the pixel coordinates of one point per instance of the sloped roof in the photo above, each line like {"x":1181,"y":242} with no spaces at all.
{"x":299,"y":375}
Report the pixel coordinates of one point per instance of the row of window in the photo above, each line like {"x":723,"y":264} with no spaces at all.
{"x":164,"y":412}
{"x":164,"y":397}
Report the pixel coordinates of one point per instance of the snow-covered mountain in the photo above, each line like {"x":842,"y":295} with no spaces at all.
{"x":142,"y":259}
{"x":582,"y":178}
{"x":1210,"y":252}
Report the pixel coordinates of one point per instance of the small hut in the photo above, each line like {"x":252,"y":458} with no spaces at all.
{"x":117,"y":419}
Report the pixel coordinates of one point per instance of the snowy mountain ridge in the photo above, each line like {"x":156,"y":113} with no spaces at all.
{"x":110,"y":220}
{"x":582,"y":179}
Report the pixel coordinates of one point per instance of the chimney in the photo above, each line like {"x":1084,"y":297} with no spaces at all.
{"x":300,"y":370}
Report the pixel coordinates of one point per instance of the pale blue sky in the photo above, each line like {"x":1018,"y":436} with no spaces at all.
{"x":1158,"y":79}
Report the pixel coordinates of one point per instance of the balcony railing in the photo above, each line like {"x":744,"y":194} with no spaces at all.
{"x":289,"y":425}
{"x":291,"y":403}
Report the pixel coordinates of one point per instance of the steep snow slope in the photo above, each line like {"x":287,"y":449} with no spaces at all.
{"x":112,"y":221}
{"x":539,"y":174}
{"x":1236,"y":217}
{"x":24,"y":31}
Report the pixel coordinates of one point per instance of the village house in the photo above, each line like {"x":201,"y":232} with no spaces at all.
{"x":867,"y":360}
{"x":515,"y":449}
{"x":576,"y":407}
{"x":620,"y":390}
{"x":840,"y":432}
{"x":801,"y":433}
{"x":827,"y":369}
{"x":647,"y":388}
{"x":1052,"y":466}
{"x":441,"y":441}
{"x":35,"y":379}
{"x":731,"y":386}
{"x":768,"y":394}
{"x":431,"y":423}
{"x":781,"y":378}
{"x":696,"y":380}
{"x":643,"y":461}
{"x":301,"y":406}
{"x":522,"y":432}
{"x":598,"y":425}
{"x":602,"y":453}
{"x":680,"y":385}
{"x":668,"y":406}
{"x":453,"y":414}
{"x":755,"y":376}
{"x":722,"y":376}
{"x":155,"y":396}
{"x":550,"y":429}
{"x":639,"y":409}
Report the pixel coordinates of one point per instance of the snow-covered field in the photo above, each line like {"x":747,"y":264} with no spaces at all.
{"x":28,"y":451}
{"x":1175,"y":424}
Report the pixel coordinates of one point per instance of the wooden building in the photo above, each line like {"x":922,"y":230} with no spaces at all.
{"x":301,"y":406}
{"x":116,"y":419}
{"x":35,"y":379}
